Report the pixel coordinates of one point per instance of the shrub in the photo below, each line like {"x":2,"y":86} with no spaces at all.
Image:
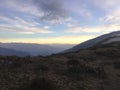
{"x":117,"y":65}
{"x":100,"y":72}
{"x":38,"y":84}
{"x":42,"y":68}
{"x":73,"y":62}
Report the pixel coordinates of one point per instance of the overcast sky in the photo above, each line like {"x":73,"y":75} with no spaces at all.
{"x":57,"y":21}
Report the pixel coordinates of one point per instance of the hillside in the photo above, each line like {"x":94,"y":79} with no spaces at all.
{"x":95,"y":68}
{"x":103,"y":39}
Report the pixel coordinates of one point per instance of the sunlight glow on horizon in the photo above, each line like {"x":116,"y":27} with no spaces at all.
{"x":54,"y":40}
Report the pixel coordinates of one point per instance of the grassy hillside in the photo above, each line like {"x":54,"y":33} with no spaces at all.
{"x":96,"y":68}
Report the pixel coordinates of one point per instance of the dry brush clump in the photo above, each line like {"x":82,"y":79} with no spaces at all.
{"x":38,"y":84}
{"x":78,"y":68}
{"x":116,"y":64}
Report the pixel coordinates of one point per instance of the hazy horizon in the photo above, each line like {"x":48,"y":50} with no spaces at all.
{"x":35,"y":43}
{"x":57,"y":21}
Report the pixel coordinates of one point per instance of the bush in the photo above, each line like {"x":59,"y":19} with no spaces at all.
{"x":41,"y":68}
{"x":93,"y":71}
{"x":75,"y":70}
{"x":100,"y":73}
{"x":38,"y":84}
{"x":73,"y":62}
{"x":117,"y":65}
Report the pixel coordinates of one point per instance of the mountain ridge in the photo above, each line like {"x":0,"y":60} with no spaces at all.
{"x":95,"y":41}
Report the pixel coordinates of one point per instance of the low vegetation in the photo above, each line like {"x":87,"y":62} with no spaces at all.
{"x":96,"y":68}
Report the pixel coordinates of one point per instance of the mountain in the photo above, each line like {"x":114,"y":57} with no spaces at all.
{"x":12,"y":52}
{"x":104,"y":39}
{"x":96,"y":68}
{"x":36,"y":49}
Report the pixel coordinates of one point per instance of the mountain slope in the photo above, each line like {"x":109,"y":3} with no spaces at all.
{"x":104,"y":39}
{"x":11,"y":52}
{"x":96,"y":68}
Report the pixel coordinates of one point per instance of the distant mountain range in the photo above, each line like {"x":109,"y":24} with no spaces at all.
{"x":104,"y":39}
{"x":11,"y":52}
{"x":32,"y":49}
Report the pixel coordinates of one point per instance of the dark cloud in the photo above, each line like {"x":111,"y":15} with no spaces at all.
{"x":53,"y":10}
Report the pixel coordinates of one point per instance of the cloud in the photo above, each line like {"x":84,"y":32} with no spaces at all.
{"x":19,"y":6}
{"x":18,"y":21}
{"x":75,"y":30}
{"x":71,"y":22}
{"x":23,"y":30}
{"x":51,"y":11}
{"x":54,"y":11}
{"x":38,"y":30}
{"x":112,"y":18}
{"x":22,"y":26}
{"x":79,"y":8}
{"x":105,"y":4}
{"x":96,"y":29}
{"x":46,"y":27}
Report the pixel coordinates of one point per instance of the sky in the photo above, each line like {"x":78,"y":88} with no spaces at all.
{"x":57,"y":21}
